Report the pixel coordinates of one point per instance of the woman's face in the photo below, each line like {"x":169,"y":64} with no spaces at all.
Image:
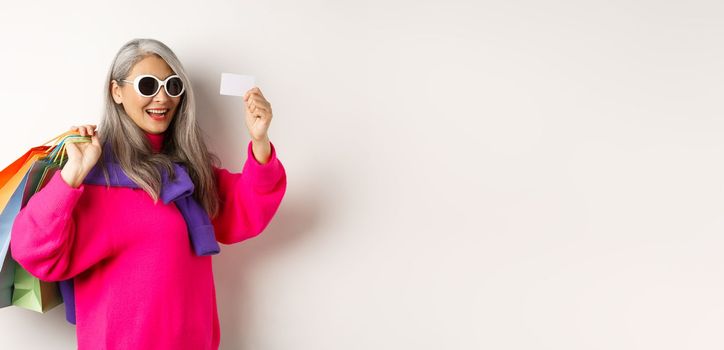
{"x":137,"y":106}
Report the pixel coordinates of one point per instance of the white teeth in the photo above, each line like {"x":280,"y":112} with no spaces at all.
{"x":157,"y":111}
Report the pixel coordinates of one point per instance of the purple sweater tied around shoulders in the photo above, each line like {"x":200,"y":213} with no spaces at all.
{"x":179,"y":190}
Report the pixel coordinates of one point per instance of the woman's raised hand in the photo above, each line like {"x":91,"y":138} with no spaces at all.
{"x":82,"y":156}
{"x":258,"y":114}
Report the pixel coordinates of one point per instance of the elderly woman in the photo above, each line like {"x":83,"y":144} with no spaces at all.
{"x":141,"y":268}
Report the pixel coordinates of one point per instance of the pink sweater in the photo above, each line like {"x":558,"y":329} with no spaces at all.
{"x":138,"y":283}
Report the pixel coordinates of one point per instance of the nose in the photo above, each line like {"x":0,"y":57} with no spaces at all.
{"x":161,"y":96}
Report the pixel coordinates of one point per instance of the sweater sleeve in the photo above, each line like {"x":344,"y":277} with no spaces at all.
{"x":46,"y":239}
{"x":249,"y":200}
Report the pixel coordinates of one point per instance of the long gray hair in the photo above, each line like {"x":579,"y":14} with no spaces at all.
{"x":182,"y":141}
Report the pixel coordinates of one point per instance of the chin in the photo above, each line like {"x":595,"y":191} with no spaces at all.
{"x":158,"y":130}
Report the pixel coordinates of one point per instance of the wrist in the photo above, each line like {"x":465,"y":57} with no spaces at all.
{"x":261,"y":150}
{"x":261,"y":141}
{"x":73,"y":177}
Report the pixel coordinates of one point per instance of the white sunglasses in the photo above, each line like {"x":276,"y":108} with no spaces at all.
{"x":148,"y":85}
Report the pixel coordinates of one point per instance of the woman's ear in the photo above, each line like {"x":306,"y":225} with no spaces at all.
{"x":116,"y":92}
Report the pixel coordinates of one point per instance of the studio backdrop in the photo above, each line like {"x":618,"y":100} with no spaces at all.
{"x":461,"y":174}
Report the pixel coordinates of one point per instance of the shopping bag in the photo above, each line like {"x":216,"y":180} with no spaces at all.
{"x":11,"y":176}
{"x":7,"y":281}
{"x":14,"y":194}
{"x":31,"y":292}
{"x":7,"y":271}
{"x":7,"y":216}
{"x":8,"y":212}
{"x":10,"y":179}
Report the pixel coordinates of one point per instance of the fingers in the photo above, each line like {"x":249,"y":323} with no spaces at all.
{"x":256,"y":108}
{"x":253,"y":91}
{"x":84,"y":130}
{"x":246,"y":95}
{"x":255,"y":101}
{"x":94,"y":141}
{"x":256,"y":104}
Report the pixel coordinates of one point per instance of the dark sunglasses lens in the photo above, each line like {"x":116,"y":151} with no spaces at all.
{"x":174,"y":86}
{"x":148,"y":86}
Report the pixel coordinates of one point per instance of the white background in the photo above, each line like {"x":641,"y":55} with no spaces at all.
{"x":461,"y":174}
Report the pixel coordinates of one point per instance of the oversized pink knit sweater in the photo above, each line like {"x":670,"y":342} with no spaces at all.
{"x":138,"y":283}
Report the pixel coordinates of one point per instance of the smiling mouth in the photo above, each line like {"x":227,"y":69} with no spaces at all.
{"x":157,"y":114}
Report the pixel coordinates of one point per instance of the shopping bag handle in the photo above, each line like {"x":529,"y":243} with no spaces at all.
{"x":56,"y":140}
{"x":58,"y":145}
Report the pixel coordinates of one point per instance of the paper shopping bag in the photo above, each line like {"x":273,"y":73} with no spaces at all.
{"x":29,"y":291}
{"x":11,"y":176}
{"x":33,"y":294}
{"x":10,"y":179}
{"x":7,"y":281}
{"x":7,"y":270}
{"x":13,"y":196}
